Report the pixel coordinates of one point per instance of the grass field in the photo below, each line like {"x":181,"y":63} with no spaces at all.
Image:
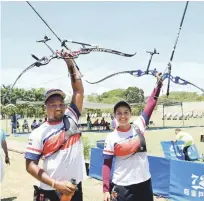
{"x":17,"y":184}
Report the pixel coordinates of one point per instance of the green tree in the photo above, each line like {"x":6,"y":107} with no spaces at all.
{"x":134,"y":95}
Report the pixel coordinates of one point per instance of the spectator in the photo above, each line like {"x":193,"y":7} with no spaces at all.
{"x":96,"y":122}
{"x":13,"y":123}
{"x":89,"y":124}
{"x":103,"y":123}
{"x":45,"y":119}
{"x":107,"y":126}
{"x":3,"y":145}
{"x":17,"y":126}
{"x":114,"y":123}
{"x":187,"y":139}
{"x":25,"y":125}
{"x":34,"y":125}
{"x":40,"y":122}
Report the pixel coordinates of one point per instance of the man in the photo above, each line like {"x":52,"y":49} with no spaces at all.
{"x":187,"y":139}
{"x":34,"y":125}
{"x":58,"y":141}
{"x":89,"y":124}
{"x":3,"y":145}
{"x":13,"y":123}
{"x":113,"y":123}
{"x":25,"y":125}
{"x":40,"y":122}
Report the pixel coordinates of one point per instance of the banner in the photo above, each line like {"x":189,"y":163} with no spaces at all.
{"x":186,"y":181}
{"x":160,"y":174}
{"x":96,"y":163}
{"x":173,"y":150}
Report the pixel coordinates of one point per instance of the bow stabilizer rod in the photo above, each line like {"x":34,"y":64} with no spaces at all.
{"x":45,"y":42}
{"x":150,"y":60}
{"x":174,"y":48}
{"x":81,"y":43}
{"x":63,"y":43}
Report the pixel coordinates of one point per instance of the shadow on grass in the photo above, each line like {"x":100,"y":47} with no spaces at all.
{"x":9,"y":199}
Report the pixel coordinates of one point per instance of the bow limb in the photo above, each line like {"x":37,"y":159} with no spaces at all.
{"x":136,"y":73}
{"x":180,"y":81}
{"x":196,"y":86}
{"x":24,"y":71}
{"x":107,"y":77}
{"x":36,"y":64}
{"x":98,"y":49}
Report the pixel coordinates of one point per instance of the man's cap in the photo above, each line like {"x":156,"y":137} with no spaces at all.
{"x":51,"y":92}
{"x":122,"y":103}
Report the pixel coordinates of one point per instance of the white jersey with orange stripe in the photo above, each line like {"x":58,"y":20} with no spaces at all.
{"x":129,"y":167}
{"x":67,"y":162}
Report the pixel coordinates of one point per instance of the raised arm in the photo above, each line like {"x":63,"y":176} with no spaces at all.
{"x":145,"y":116}
{"x":152,"y":101}
{"x":77,"y":85}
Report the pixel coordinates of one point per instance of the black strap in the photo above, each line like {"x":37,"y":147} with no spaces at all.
{"x":66,"y":128}
{"x":143,"y":147}
{"x":66,"y":123}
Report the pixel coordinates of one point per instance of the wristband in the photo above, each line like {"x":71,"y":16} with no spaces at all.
{"x":53,"y":183}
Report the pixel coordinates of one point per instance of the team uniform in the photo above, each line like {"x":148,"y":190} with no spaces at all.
{"x":131,"y":177}
{"x":63,"y":160}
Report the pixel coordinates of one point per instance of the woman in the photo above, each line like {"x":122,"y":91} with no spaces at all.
{"x":131,"y":179}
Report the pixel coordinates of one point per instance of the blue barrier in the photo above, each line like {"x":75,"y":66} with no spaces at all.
{"x":96,"y":163}
{"x":173,"y":150}
{"x":193,"y":153}
{"x":161,"y":178}
{"x":186,"y":181}
{"x":100,"y":143}
{"x":177,"y":179}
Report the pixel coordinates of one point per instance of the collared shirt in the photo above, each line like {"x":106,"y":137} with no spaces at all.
{"x":68,"y":161}
{"x":124,"y":174}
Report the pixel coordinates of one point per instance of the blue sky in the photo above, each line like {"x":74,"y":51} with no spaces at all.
{"x":124,"y":26}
